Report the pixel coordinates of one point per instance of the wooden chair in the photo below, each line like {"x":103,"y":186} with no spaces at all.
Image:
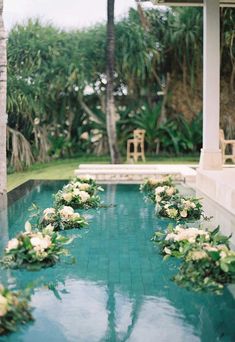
{"x":227,"y":144}
{"x":135,"y":146}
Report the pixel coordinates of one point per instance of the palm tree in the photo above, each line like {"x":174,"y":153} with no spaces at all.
{"x":110,"y":104}
{"x":3,"y":87}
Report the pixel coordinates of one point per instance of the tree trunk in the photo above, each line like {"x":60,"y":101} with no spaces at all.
{"x":3,"y":116}
{"x":110,"y":105}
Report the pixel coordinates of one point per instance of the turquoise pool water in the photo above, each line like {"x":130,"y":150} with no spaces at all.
{"x":119,"y":289}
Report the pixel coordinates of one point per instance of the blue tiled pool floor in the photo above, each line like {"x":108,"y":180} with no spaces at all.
{"x":120,"y":288}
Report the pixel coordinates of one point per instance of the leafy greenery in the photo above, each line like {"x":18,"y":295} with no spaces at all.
{"x":208,"y":268}
{"x":57,"y":82}
{"x":181,"y":208}
{"x":14,"y":309}
{"x":79,"y":193}
{"x":33,"y":250}
{"x":150,"y":184}
{"x":178,"y":240}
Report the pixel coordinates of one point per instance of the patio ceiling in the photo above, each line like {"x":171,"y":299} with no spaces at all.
{"x":224,"y":3}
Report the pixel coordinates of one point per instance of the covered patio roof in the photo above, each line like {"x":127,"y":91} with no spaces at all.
{"x":223,"y":3}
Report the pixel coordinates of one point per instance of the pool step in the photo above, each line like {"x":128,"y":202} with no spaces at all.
{"x":131,"y":173}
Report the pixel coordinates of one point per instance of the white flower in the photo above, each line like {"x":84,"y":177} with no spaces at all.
{"x":197,"y":255}
{"x":48,"y":229}
{"x":3,"y":305}
{"x":171,"y":236}
{"x":159,"y":189}
{"x":86,"y":177}
{"x":48,"y":213}
{"x":158,"y":198}
{"x":187,"y":234}
{"x":28,"y":227}
{"x":66,"y":212}
{"x":152,"y":181}
{"x":172,"y":212}
{"x":40,"y":243}
{"x":84,"y":186}
{"x":170,"y":191}
{"x":76,"y":215}
{"x":36,"y":121}
{"x":183,"y":213}
{"x":68,"y":196}
{"x":84,"y":196}
{"x":12,"y":244}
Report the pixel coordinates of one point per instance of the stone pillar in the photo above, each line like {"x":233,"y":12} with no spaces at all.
{"x":211,"y":157}
{"x":3,"y":99}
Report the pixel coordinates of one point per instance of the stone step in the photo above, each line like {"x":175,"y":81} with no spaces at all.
{"x":128,"y":173}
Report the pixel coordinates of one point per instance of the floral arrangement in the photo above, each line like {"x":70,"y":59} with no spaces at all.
{"x":178,"y":240}
{"x":164,"y":193}
{"x":63,"y":218}
{"x":14,"y":310}
{"x":33,"y":250}
{"x":181,"y":209}
{"x":79,"y":193}
{"x":207,"y":267}
{"x":150,"y":184}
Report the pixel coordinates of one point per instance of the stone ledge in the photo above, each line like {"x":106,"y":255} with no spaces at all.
{"x":219,"y":186}
{"x":129,"y":173}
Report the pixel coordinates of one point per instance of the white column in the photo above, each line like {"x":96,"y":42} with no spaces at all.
{"x":211,"y":158}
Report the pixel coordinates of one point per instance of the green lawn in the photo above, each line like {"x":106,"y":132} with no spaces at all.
{"x":64,"y":169}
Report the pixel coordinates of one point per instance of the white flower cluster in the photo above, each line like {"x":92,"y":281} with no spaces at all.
{"x":162,"y":191}
{"x":40,"y":242}
{"x":3,"y":305}
{"x":66,"y":213}
{"x":182,"y":208}
{"x":74,"y":192}
{"x":187,"y":234}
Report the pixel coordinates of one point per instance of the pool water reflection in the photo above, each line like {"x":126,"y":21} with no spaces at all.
{"x":119,"y":289}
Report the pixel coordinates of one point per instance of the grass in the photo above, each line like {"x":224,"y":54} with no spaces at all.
{"x":64,"y":168}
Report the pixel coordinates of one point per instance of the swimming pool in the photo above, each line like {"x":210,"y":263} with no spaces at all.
{"x":119,"y":289}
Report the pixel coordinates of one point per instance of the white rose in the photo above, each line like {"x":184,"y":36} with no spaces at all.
{"x":76,"y":215}
{"x":40,"y":244}
{"x":159,"y":189}
{"x":3,"y":305}
{"x":198,"y":255}
{"x":170,"y":191}
{"x":46,"y":242}
{"x":66,"y":212}
{"x":84,"y":186}
{"x":170,"y":236}
{"x":68,"y":196}
{"x":84,"y":196}
{"x":183,"y":213}
{"x":12,"y":244}
{"x":48,"y":213}
{"x":158,"y":198}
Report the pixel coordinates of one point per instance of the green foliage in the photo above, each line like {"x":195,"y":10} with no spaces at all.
{"x":181,"y":208}
{"x":57,"y":84}
{"x":79,"y":193}
{"x":34,"y":250}
{"x":14,"y":309}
